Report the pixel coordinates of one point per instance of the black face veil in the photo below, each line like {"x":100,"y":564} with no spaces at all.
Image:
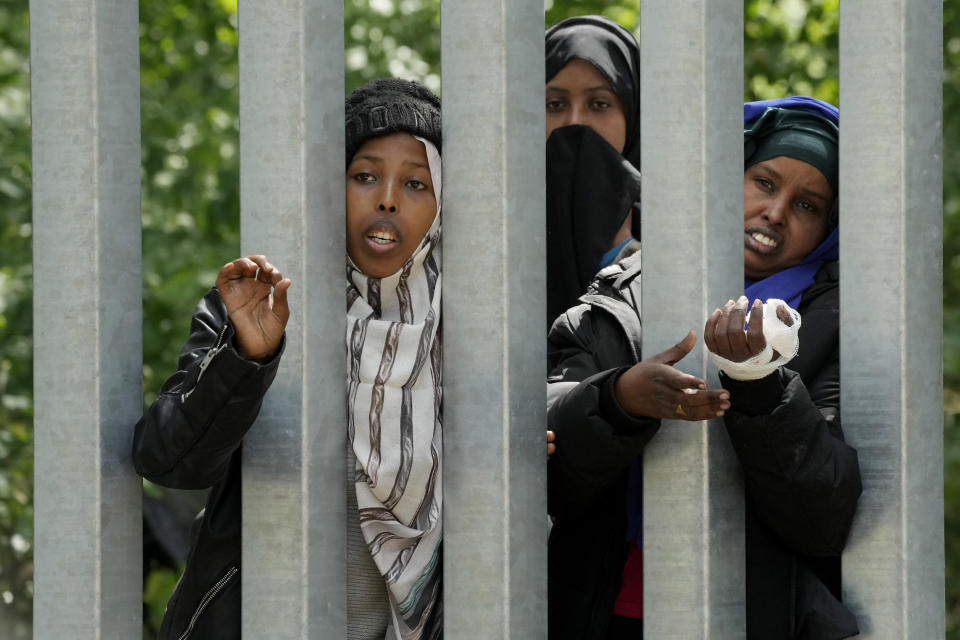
{"x":590,"y":190}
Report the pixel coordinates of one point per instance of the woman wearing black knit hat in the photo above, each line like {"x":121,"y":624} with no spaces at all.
{"x":780,"y":404}
{"x":191,"y":435}
{"x":593,"y":153}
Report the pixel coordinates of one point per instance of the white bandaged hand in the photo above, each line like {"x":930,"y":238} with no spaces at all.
{"x":780,"y":338}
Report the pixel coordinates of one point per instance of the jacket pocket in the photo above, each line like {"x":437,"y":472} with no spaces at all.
{"x":207,"y":598}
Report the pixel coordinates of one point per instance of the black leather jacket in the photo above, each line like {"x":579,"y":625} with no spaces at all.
{"x":190,"y":438}
{"x":802,"y":480}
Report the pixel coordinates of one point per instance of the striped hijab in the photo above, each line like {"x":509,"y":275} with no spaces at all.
{"x":394,"y":420}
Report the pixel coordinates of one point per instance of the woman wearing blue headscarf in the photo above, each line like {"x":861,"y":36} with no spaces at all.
{"x":780,"y":406}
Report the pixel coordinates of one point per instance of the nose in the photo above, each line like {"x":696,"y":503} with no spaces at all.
{"x":776,"y":212}
{"x":575,"y":115}
{"x":387,"y":201}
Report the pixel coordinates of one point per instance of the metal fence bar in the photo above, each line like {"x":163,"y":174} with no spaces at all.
{"x":291,"y":187}
{"x":692,"y":52}
{"x":494,"y":303}
{"x":891,"y":296}
{"x":87,"y":336}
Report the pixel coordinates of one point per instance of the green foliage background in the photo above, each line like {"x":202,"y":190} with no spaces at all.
{"x":191,"y":201}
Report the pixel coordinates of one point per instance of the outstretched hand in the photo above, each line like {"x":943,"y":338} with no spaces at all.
{"x":255,"y":293}
{"x":655,"y":389}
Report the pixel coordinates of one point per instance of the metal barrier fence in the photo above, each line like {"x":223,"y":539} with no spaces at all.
{"x":88,"y":315}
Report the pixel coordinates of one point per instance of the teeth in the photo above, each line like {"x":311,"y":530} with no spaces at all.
{"x":762,"y":239}
{"x":381,"y":236}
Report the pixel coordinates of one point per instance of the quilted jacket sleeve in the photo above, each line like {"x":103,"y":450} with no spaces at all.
{"x":186,"y":438}
{"x":596,"y":440}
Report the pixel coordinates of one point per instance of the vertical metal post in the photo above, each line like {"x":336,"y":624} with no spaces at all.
{"x":291,"y":188}
{"x":891,"y":297}
{"x":495,"y":525}
{"x":85,"y":94}
{"x":692,"y":52}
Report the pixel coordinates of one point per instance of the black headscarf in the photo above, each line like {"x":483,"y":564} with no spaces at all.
{"x":614,"y":51}
{"x":591,"y":187}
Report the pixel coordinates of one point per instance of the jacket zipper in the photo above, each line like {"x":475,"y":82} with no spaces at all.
{"x":207,"y":598}
{"x":217,"y":348}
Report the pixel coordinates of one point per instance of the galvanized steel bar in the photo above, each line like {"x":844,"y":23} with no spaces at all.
{"x":85,"y":94}
{"x":495,"y":525}
{"x":891,"y":297}
{"x":692,"y":52}
{"x":291,"y":189}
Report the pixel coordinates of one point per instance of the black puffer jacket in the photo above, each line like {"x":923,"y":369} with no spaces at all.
{"x":190,"y":439}
{"x":802,"y":480}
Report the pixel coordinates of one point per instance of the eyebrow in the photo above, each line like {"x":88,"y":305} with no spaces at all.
{"x":806,"y":190}
{"x":599,"y":87}
{"x":373,"y":158}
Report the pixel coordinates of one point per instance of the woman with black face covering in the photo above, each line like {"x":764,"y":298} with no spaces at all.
{"x":593,"y":153}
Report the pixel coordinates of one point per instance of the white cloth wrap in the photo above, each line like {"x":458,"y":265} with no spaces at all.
{"x":394,"y":396}
{"x":780,"y":338}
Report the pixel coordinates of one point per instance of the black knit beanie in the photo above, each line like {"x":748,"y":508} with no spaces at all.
{"x":391,"y":105}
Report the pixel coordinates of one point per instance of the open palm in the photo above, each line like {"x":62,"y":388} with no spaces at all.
{"x":255,"y":293}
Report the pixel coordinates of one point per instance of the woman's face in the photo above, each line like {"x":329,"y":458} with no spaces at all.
{"x":580,"y":94}
{"x":786,"y":210}
{"x":390,"y":203}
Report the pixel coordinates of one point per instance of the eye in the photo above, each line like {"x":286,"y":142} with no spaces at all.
{"x":416,"y":185}
{"x":764,"y":183}
{"x":555,"y":104}
{"x":364,"y":176}
{"x":807,"y":206}
{"x":600,"y":104}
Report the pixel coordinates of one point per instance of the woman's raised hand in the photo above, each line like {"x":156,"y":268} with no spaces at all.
{"x":724,"y":334}
{"x":255,"y":293}
{"x":655,"y":389}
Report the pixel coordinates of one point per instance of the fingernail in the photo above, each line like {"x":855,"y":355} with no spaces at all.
{"x":757,"y":303}
{"x":742,"y":300}
{"x":724,"y":396}
{"x":719,"y":414}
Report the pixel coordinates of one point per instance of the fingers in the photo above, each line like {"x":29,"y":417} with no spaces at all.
{"x":725,"y":336}
{"x":266,"y":272}
{"x":676,"y":353}
{"x":235,"y":269}
{"x":702,"y":405}
{"x":679,"y":381}
{"x":755,"y":340}
{"x":280,"y":306}
{"x":710,"y":329}
{"x":254,"y":266}
{"x":723,"y":329}
{"x":783,"y":313}
{"x":736,"y":337}
{"x":551,"y":448}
